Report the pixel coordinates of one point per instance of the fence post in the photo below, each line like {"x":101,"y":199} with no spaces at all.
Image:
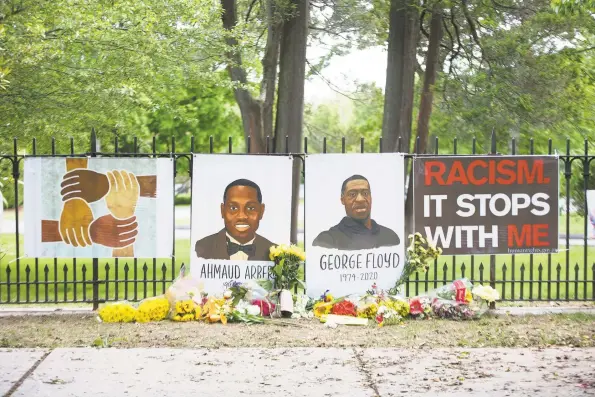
{"x":16,"y":176}
{"x":95,"y":272}
{"x":493,"y":151}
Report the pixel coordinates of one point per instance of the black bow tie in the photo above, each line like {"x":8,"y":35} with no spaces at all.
{"x":233,"y":248}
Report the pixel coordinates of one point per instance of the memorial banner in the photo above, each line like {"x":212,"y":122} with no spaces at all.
{"x":241,"y":206}
{"x":83,"y":207}
{"x":487,"y":204}
{"x":355,"y":235}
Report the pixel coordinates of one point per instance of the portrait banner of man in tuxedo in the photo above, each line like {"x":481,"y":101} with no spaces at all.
{"x":241,"y":207}
{"x":355,"y":222}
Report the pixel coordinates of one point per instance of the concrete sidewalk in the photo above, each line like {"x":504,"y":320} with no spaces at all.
{"x":297,"y":372}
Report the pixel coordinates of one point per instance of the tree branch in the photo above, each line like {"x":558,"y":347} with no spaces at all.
{"x":250,"y":10}
{"x":503,"y":6}
{"x":329,"y":83}
{"x":421,"y":23}
{"x":474,"y":31}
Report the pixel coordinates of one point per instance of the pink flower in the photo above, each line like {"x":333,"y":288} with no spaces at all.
{"x":415,"y":306}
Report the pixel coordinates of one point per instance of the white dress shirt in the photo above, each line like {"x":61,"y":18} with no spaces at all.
{"x":240,"y":255}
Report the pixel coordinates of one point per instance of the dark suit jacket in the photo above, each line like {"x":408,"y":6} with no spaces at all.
{"x":351,"y":235}
{"x":215,"y":247}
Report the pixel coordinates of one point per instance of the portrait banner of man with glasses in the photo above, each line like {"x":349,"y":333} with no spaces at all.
{"x":354,"y":221}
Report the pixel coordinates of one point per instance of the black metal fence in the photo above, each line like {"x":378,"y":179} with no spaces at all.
{"x":568,"y":275}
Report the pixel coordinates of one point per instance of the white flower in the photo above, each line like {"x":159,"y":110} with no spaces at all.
{"x":253,"y":310}
{"x":227,"y":294}
{"x":242,"y":307}
{"x":486,"y":293}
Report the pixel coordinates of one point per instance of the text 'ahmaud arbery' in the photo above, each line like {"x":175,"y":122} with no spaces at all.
{"x":231,"y":271}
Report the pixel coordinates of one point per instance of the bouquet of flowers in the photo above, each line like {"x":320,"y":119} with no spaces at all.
{"x":391,"y":311}
{"x":118,"y":312}
{"x":300,"y":308}
{"x":185,"y":297}
{"x":216,"y":310}
{"x":255,"y":294}
{"x":454,"y":310}
{"x":459,"y":291}
{"x":288,"y":259}
{"x":324,"y":304}
{"x":420,"y":307}
{"x":186,"y":310}
{"x":459,"y":300}
{"x":419,"y":254}
{"x":486,"y":293}
{"x":152,"y":309}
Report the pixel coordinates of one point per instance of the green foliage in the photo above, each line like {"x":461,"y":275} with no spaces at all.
{"x":353,"y":118}
{"x":539,"y":84}
{"x":182,"y":199}
{"x":76,"y":65}
{"x":569,"y":7}
{"x":128,"y":69}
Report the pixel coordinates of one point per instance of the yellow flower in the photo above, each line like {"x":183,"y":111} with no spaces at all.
{"x":322,"y":308}
{"x":153,"y":309}
{"x":368,"y":311}
{"x":328,"y":298}
{"x":117,"y":312}
{"x":468,"y":296}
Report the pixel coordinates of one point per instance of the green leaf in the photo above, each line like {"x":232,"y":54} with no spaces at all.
{"x":278,"y":268}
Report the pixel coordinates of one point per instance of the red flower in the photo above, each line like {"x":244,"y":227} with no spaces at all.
{"x":344,"y":308}
{"x":266,"y":307}
{"x":415,"y":306}
{"x":379,"y":318}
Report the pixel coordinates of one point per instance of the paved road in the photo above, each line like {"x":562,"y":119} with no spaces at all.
{"x":297,"y":372}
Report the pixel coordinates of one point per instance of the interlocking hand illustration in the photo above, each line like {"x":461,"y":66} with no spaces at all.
{"x":89,"y":185}
{"x":74,"y":223}
{"x":112,"y":232}
{"x":81,"y":186}
{"x":106,"y":230}
{"x":123,"y":194}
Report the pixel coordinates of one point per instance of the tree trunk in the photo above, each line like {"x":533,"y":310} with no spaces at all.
{"x":400,"y":82}
{"x":427,"y":97}
{"x":432,"y":65}
{"x":394,"y":72}
{"x":290,"y":98}
{"x":257,"y":113}
{"x":409,"y":52}
{"x":400,"y":75}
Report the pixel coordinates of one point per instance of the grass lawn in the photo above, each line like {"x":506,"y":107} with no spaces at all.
{"x":519,"y":280}
{"x":576,"y":225}
{"x":570,"y":330}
